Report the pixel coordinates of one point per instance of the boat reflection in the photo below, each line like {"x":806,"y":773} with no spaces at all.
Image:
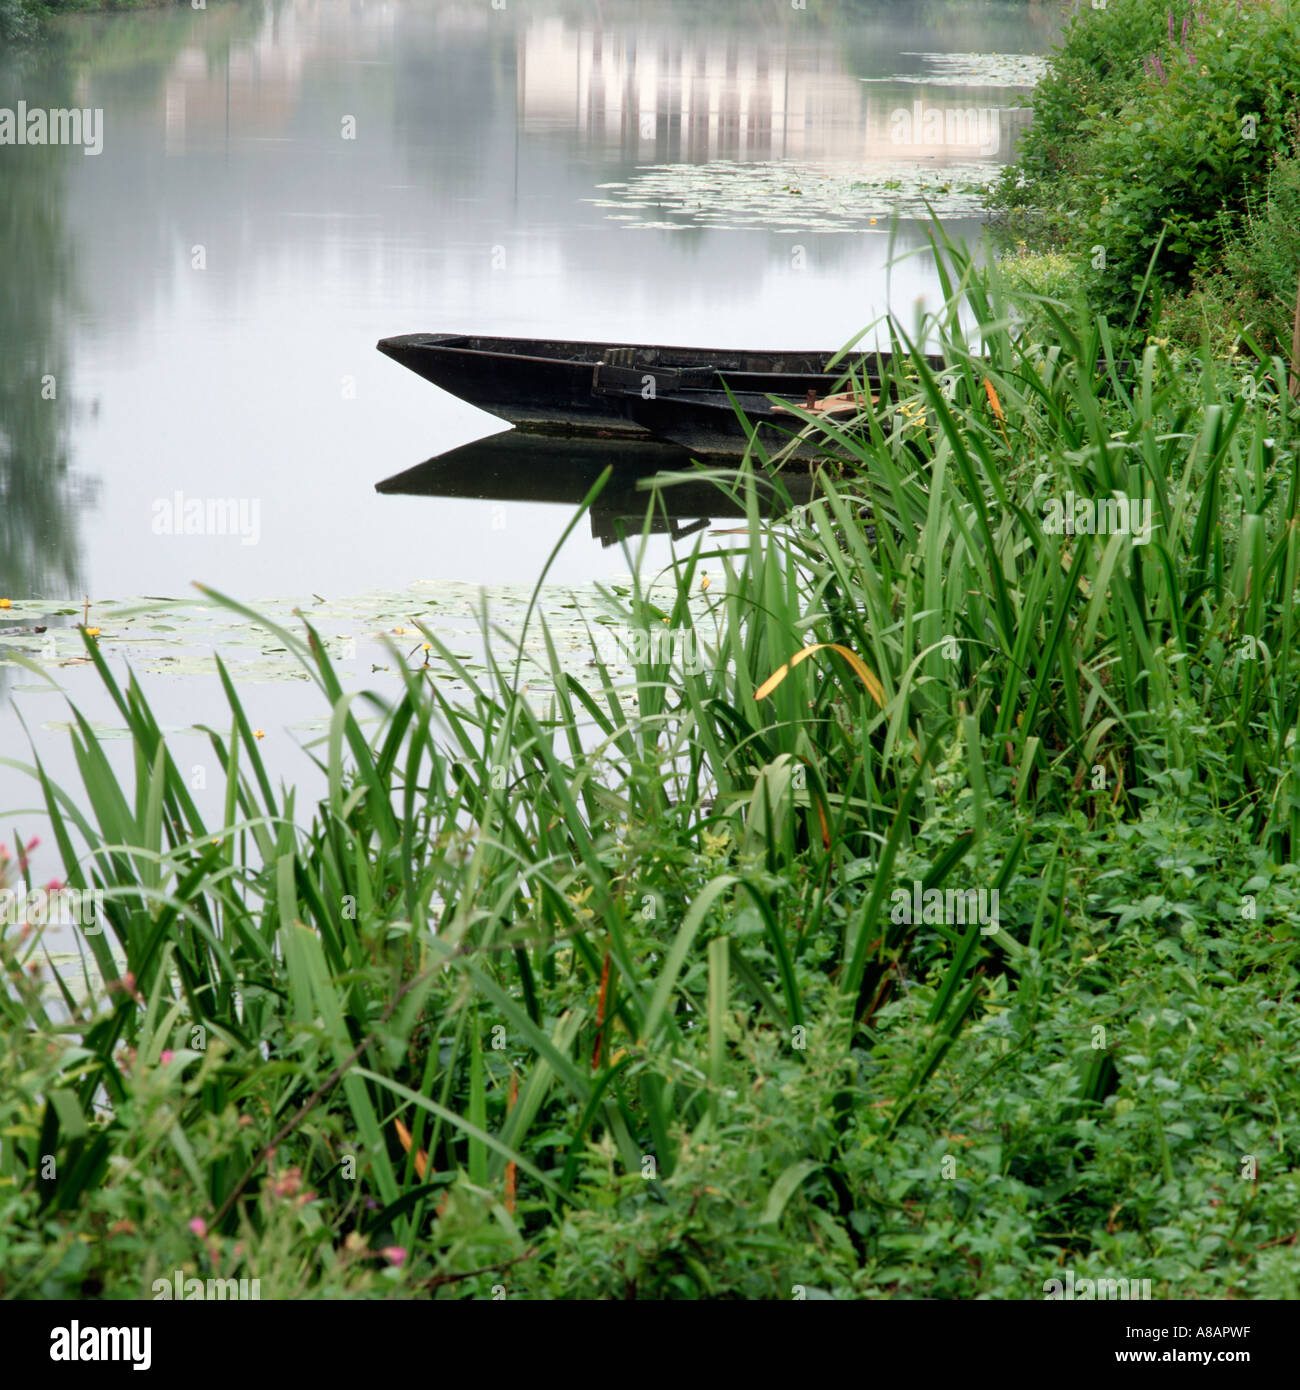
{"x":517,"y":467}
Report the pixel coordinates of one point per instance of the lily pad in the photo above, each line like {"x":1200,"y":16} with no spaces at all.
{"x":834,"y":198}
{"x":974,"y":70}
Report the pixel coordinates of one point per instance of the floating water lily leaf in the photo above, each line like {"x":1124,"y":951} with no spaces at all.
{"x":839,"y":197}
{"x":177,"y":639}
{"x":973,"y":70}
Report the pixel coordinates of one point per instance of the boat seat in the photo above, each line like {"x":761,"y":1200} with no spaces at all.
{"x":622,"y":371}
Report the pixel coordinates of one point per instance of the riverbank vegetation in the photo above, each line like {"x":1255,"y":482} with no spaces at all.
{"x":1163,"y":166}
{"x":919,"y":921}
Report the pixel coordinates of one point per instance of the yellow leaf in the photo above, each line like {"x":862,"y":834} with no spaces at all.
{"x":874,"y":687}
{"x":993,"y":401}
{"x":421,"y":1158}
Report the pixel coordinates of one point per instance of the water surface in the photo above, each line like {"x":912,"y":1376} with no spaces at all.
{"x":208,"y":290}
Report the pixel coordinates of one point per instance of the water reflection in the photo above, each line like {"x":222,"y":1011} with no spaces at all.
{"x":517,"y":467}
{"x":657,"y":94}
{"x":41,"y":497}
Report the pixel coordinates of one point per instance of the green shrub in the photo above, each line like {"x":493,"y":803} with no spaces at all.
{"x":1157,"y":119}
{"x":1251,"y":288}
{"x":1190,"y":144}
{"x":1092,"y":75}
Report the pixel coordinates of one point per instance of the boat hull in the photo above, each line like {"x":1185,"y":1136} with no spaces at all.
{"x":542,"y":389}
{"x":558,"y":386}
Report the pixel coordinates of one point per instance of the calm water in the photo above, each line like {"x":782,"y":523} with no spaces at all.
{"x":282,"y":184}
{"x":470,"y":199}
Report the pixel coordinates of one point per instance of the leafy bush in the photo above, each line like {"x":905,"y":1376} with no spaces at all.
{"x":1047,"y":275}
{"x":1156,"y":119}
{"x":1091,"y":77}
{"x":1191,"y":143}
{"x":1252,"y":287}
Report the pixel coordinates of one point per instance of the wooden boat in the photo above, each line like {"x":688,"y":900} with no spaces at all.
{"x":596,"y":388}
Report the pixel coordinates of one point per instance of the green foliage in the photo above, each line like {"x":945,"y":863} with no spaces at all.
{"x":606,"y":993}
{"x":1157,"y":121}
{"x":1252,"y":289}
{"x":1092,"y":76}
